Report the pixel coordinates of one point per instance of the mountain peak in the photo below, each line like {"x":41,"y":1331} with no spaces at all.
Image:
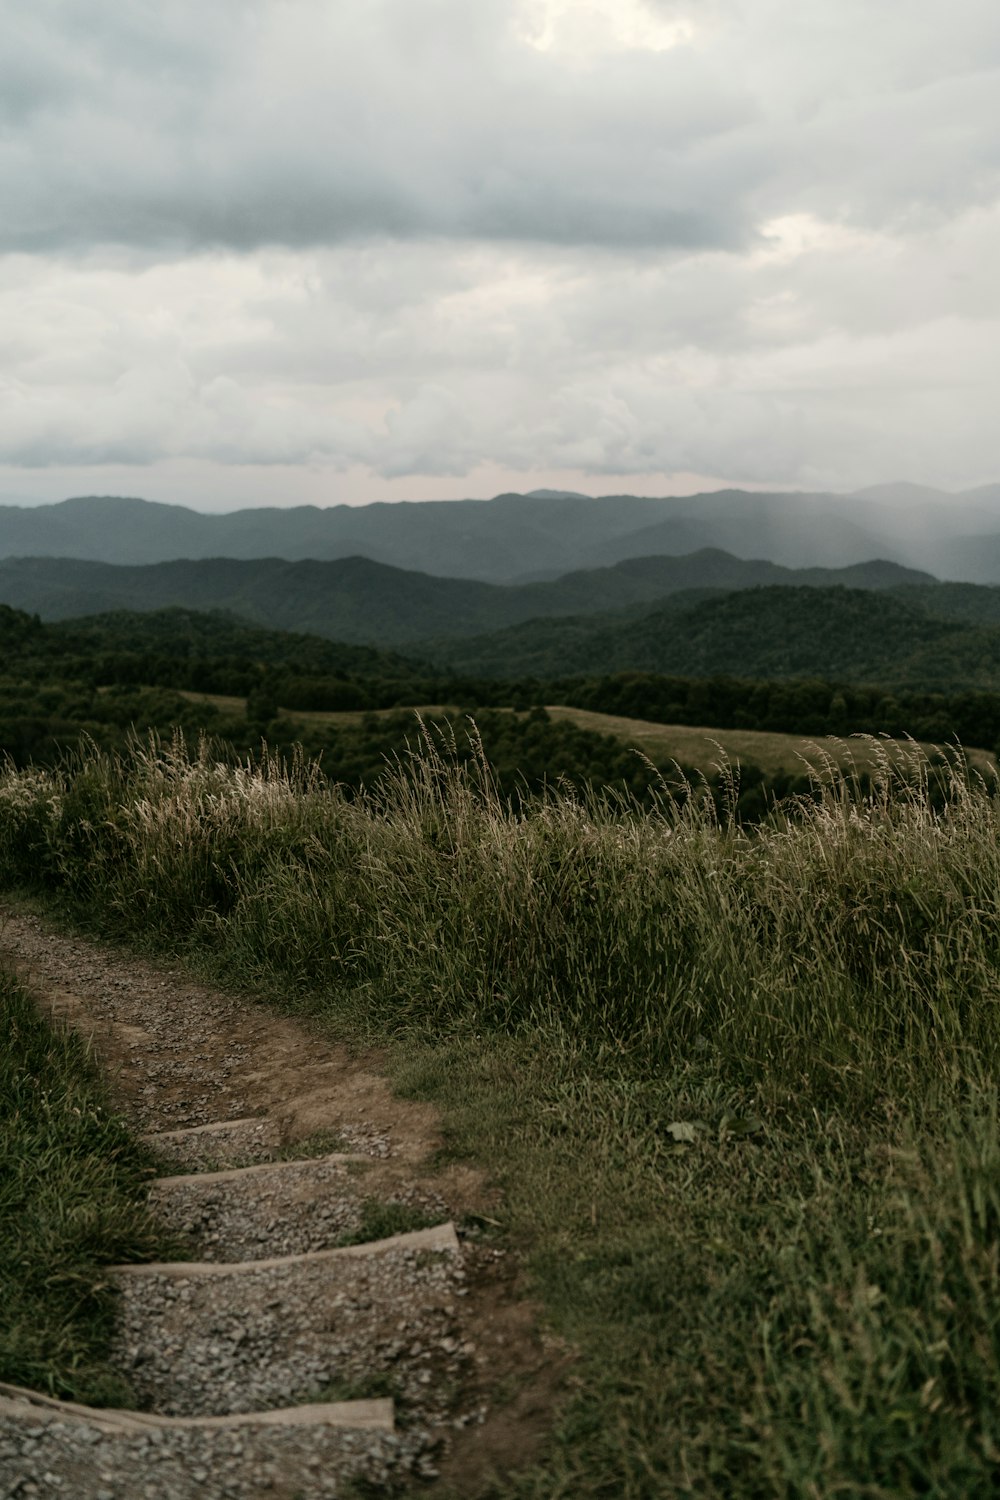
{"x":556,"y":495}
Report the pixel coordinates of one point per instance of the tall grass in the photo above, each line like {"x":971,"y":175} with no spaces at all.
{"x":72,"y":1201}
{"x":740,"y":1086}
{"x":814,"y":957}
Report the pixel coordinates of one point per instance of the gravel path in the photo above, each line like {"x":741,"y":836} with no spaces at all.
{"x":46,"y":1459}
{"x":269,"y":1314}
{"x":247,"y":1340}
{"x":282,"y":1208}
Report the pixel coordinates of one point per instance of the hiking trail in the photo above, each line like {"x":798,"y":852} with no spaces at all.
{"x":297,"y":1347}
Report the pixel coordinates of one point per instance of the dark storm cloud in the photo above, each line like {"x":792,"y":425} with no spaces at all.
{"x":242,"y":124}
{"x":748,"y":238}
{"x":247,"y":122}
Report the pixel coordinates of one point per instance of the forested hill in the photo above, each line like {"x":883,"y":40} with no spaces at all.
{"x":103,"y":678}
{"x":206,"y":652}
{"x":847,"y":635}
{"x":188,"y":635}
{"x":358,"y":600}
{"x":971,"y":603}
{"x":922,"y":635}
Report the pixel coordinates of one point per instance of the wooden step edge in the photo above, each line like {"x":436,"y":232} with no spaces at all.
{"x":153,"y":1136}
{"x":438,"y":1237}
{"x":374,"y":1415}
{"x":230,"y":1174}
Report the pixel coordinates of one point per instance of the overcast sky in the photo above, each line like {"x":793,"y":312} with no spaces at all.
{"x":278,"y":251}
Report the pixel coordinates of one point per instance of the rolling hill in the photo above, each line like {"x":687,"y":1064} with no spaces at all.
{"x":847,"y":635}
{"x":361,"y":601}
{"x":186,"y":635}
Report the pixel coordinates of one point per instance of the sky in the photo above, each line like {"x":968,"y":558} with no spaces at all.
{"x":324,"y":251}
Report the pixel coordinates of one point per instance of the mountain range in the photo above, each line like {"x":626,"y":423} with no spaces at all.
{"x":755,"y":585}
{"x":361,"y":601}
{"x":517,"y":538}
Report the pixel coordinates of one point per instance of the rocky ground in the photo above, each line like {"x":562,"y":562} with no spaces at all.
{"x":288,"y":1355}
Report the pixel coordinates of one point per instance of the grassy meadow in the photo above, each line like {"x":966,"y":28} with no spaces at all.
{"x":700,"y":747}
{"x":72,"y":1200}
{"x":739,"y":1086}
{"x":772,"y":752}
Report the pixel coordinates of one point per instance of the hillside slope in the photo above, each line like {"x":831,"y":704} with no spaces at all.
{"x":358,"y":600}
{"x":849,"y":635}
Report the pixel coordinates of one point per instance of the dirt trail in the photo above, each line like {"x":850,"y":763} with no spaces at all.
{"x":287,"y":1355}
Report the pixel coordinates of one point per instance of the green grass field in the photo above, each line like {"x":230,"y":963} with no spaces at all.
{"x":739,"y":1088}
{"x":702,"y":748}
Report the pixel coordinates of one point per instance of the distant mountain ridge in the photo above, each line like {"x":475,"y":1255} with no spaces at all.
{"x":360,"y":601}
{"x":540,"y":536}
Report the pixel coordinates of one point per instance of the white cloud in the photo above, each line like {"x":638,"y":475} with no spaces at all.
{"x":422,"y":238}
{"x":588,"y":29}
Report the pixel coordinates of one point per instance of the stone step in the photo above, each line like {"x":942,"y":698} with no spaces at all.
{"x":248,"y":1141}
{"x":20,"y":1405}
{"x":280,"y":1208}
{"x":222,"y":1143}
{"x":51,"y":1448}
{"x":212,"y":1338}
{"x":439,"y":1237}
{"x":259,"y":1169}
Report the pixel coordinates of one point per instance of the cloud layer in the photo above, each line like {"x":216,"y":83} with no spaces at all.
{"x":753,"y":239}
